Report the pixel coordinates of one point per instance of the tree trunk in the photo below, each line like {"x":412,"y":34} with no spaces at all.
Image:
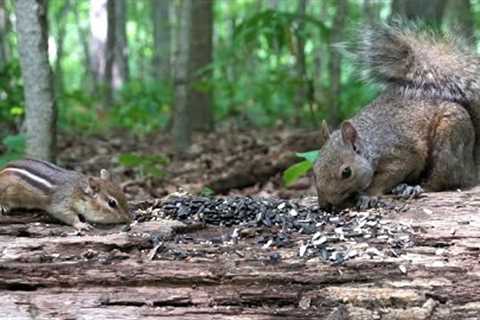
{"x":201,"y":39}
{"x":335,"y":62}
{"x":372,"y":11}
{"x":121,"y":43}
{"x":161,"y":40}
{"x":62,"y":28}
{"x":459,"y":16}
{"x":182,"y":127}
{"x":89,"y":72}
{"x":3,"y":34}
{"x":40,"y":105}
{"x":98,"y":38}
{"x":430,"y":12}
{"x":109,"y":53}
{"x":300,"y":64}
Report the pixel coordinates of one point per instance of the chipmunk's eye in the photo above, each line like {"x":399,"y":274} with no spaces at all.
{"x":112,"y":203}
{"x":346,"y":173}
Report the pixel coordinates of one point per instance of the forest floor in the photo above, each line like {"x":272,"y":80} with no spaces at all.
{"x":260,"y":251}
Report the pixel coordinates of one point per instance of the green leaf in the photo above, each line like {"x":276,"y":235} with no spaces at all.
{"x":293,"y":173}
{"x":129,"y":160}
{"x":207,"y":192}
{"x":311,"y":156}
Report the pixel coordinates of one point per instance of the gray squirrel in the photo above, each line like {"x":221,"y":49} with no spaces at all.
{"x":423,"y":129}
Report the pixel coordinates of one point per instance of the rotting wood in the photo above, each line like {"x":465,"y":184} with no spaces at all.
{"x":47,"y":271}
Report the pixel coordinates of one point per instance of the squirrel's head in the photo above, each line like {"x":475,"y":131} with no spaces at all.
{"x":341,"y":171}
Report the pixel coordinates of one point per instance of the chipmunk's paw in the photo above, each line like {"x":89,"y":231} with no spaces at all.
{"x":82,"y":226}
{"x":405,"y":191}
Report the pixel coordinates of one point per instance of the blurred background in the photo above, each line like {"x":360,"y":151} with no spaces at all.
{"x":132,"y":71}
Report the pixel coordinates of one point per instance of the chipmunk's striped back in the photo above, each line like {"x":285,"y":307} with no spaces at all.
{"x":39,"y":174}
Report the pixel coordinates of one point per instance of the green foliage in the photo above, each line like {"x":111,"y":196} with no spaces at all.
{"x":150,"y":165}
{"x":11,"y":93}
{"x":253,"y":75}
{"x":298,"y":170}
{"x":264,"y":44}
{"x":15,"y":148}
{"x":207,"y":192}
{"x":144,"y":107}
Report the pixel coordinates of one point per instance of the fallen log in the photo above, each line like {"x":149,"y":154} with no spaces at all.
{"x":48,"y":271}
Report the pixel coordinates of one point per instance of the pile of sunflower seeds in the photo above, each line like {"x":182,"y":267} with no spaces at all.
{"x":334,"y":237}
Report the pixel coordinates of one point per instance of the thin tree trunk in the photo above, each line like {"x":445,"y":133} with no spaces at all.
{"x":89,"y":78}
{"x":121,"y":47}
{"x":40,"y":105}
{"x":182,"y":128}
{"x":300,"y":65}
{"x":98,"y":37}
{"x":161,"y":40}
{"x":62,"y":28}
{"x":460,"y":19}
{"x":335,"y":62}
{"x":3,"y":34}
{"x":109,"y":53}
{"x":372,"y":10}
{"x":201,"y":55}
{"x":430,"y":12}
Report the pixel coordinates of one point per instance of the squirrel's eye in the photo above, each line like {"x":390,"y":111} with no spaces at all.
{"x":112,"y":203}
{"x":346,"y":173}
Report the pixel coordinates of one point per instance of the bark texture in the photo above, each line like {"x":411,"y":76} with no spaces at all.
{"x":430,"y":12}
{"x":182,"y":123}
{"x":48,"y":272}
{"x":121,"y":43}
{"x":335,"y":62}
{"x":110,"y":52}
{"x":3,"y":34}
{"x":161,"y":40}
{"x":61,"y":32}
{"x":98,"y":38}
{"x":41,"y":110}
{"x":89,"y":72}
{"x":460,"y":19}
{"x":300,"y":66}
{"x":201,"y":54}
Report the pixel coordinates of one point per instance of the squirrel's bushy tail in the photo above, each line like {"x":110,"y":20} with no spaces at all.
{"x":415,"y":63}
{"x":419,"y":63}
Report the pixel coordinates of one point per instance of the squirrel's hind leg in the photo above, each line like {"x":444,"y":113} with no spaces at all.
{"x":451,"y":164}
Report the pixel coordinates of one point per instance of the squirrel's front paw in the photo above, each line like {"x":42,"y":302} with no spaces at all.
{"x":405,"y":191}
{"x":366,"y":202}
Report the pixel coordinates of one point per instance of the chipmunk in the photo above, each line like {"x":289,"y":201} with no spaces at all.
{"x":424,"y":128}
{"x":66,"y":195}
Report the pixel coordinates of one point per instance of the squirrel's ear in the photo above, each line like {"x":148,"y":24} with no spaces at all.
{"x":104,"y":174}
{"x":349,"y":134}
{"x":324,"y":132}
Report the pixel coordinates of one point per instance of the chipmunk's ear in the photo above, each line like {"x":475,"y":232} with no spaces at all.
{"x":349,"y":134}
{"x":105,"y":175}
{"x":92,"y":187}
{"x":324,"y":132}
